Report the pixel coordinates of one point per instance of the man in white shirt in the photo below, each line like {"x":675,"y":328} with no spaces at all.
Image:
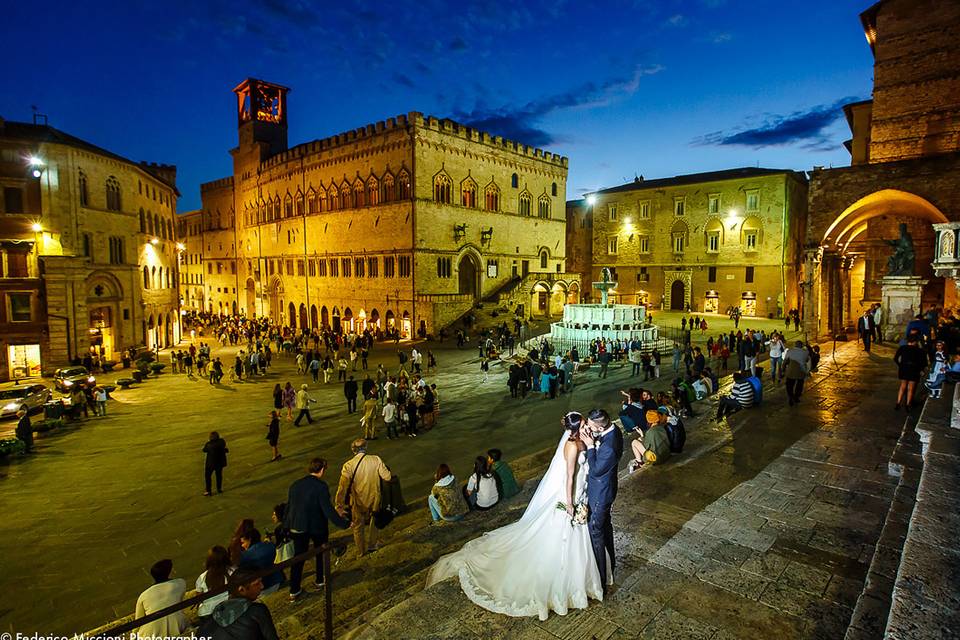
{"x":877,"y":317}
{"x":390,"y":418}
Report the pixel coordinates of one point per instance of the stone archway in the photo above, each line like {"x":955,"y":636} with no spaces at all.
{"x":468,"y":275}
{"x":303,"y":316}
{"x":324,"y":317}
{"x":678,"y":296}
{"x":313,"y":316}
{"x":292,"y":315}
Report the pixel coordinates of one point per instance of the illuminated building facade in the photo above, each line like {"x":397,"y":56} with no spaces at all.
{"x":88,"y":251}
{"x":404,"y":223}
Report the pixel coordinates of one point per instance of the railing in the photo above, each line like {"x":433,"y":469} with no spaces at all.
{"x":335,"y":547}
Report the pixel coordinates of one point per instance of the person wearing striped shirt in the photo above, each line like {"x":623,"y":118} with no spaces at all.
{"x":741,"y":396}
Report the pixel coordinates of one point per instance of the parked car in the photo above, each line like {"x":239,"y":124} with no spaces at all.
{"x":65,"y":379}
{"x":28,"y":396}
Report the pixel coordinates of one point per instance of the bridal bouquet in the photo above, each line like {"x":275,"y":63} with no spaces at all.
{"x":581,"y":513}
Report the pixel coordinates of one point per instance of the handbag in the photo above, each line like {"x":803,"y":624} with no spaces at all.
{"x":284,"y":552}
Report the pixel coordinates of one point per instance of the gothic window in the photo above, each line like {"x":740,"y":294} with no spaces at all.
{"x":156,"y":224}
{"x":333,"y":198}
{"x":468,"y":193}
{"x":543,"y":207}
{"x":543,"y":259}
{"x":288,"y":207}
{"x":524,"y":204}
{"x":113,"y":194}
{"x":389,"y":189}
{"x":300,"y":202}
{"x":312,"y":201}
{"x":373,"y":191}
{"x":359,"y":193}
{"x":276,"y":208}
{"x":346,"y":196}
{"x":491,"y":197}
{"x":163,"y":229}
{"x":403,"y":186}
{"x":83,"y":189}
{"x":146,"y":278}
{"x":442,"y":188}
{"x":143,"y":221}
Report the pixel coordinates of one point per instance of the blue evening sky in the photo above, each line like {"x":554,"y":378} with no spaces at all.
{"x":650,"y":87}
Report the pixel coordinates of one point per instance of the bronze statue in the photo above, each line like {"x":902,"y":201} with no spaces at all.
{"x":900,"y":263}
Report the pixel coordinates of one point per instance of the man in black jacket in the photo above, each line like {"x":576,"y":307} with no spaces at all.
{"x":350,"y":391}
{"x":308,"y":510}
{"x":241,"y":617}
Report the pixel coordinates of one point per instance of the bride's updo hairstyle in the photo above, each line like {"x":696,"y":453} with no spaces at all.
{"x":572,"y":423}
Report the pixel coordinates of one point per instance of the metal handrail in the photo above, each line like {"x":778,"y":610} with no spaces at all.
{"x":325,"y":549}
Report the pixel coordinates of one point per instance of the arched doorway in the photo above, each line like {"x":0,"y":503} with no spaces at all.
{"x":678,"y":296}
{"x":347,"y":322}
{"x":313,"y":316}
{"x":361,"y":320}
{"x":292,"y":315}
{"x":336,"y":320}
{"x":391,"y":319}
{"x":324,"y":317}
{"x":374,"y":322}
{"x":405,"y":325}
{"x":558,"y":296}
{"x":275,"y":296}
{"x":251,"y":298}
{"x":540,"y":300}
{"x":573,"y":295}
{"x":468,"y":273}
{"x":303,"y":316}
{"x":168,"y":330}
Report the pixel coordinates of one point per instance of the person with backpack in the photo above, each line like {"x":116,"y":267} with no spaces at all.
{"x":654,"y":447}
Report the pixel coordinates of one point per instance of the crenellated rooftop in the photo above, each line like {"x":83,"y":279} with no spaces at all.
{"x":414,"y":119}
{"x":221,"y":183}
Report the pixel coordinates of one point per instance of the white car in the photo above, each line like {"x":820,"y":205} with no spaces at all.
{"x":26,"y":396}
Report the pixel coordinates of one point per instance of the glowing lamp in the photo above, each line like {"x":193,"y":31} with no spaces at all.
{"x":35,"y":161}
{"x":591,"y":200}
{"x":37,"y":227}
{"x":181,"y":246}
{"x":155,"y":241}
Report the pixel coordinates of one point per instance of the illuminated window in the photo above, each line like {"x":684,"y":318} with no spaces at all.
{"x":442,"y":188}
{"x":491,"y":197}
{"x":468,"y":193}
{"x":299,"y":201}
{"x":373,"y":191}
{"x":613,"y":245}
{"x":389,"y":188}
{"x":346,"y":196}
{"x":359,"y":193}
{"x":523,"y":207}
{"x":333,"y":198}
{"x":403,"y":186}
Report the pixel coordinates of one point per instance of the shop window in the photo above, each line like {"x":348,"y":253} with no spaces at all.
{"x":19,"y":307}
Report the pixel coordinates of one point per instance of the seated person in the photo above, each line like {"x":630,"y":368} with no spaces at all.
{"x":507,"y":485}
{"x":741,"y":396}
{"x":259,"y":555}
{"x":632,"y":412}
{"x":654,"y":447}
{"x":481,"y":490}
{"x":445,"y":500}
{"x":240,"y":616}
{"x":166,"y":591}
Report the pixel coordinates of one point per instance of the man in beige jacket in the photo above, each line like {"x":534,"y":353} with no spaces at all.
{"x":366,"y":471}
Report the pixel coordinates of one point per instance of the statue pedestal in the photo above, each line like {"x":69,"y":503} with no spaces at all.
{"x":900,"y":303}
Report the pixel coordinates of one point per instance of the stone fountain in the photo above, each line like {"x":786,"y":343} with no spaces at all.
{"x":583,"y":322}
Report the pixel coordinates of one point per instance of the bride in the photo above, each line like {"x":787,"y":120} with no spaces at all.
{"x":544,"y":561}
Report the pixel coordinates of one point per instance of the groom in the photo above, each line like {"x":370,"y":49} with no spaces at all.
{"x":604,"y":443}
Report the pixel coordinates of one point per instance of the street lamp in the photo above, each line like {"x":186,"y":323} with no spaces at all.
{"x":155,"y":241}
{"x":37,"y":227}
{"x":591,"y":200}
{"x":36,"y":166}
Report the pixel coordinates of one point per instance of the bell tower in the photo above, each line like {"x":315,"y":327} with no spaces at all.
{"x":261,"y":121}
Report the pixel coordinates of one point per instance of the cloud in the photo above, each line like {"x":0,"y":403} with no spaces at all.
{"x":807,"y":128}
{"x":720,"y":38}
{"x":521,"y":123}
{"x":676,"y":20}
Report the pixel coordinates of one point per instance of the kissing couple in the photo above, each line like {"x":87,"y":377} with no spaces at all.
{"x":560,"y":553}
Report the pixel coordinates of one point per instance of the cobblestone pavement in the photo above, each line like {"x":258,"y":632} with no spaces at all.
{"x":765,"y":536}
{"x":87,"y":515}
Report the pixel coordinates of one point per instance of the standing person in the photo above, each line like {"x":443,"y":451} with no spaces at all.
{"x":604,"y":443}
{"x":24,"y":430}
{"x":342,"y":369}
{"x":604,"y":358}
{"x":359,"y":491}
{"x":216,"y":450}
{"x":910,"y":360}
{"x":865,"y":329}
{"x":677,"y":354}
{"x":796,"y":367}
{"x":350,"y":390}
{"x":369,"y":419}
{"x":308,"y":513}
{"x":877,"y":319}
{"x":277,"y":397}
{"x":273,"y":434}
{"x":485,"y":368}
{"x":777,"y":348}
{"x":289,"y":400}
{"x":166,"y":591}
{"x":390,"y":418}
{"x":303,"y":406}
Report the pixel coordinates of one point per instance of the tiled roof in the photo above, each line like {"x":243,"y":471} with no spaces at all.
{"x":695,"y":178}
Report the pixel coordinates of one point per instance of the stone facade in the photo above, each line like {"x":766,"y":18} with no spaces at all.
{"x":705,"y":241}
{"x":580,"y":243}
{"x":905,"y":154}
{"x":101,"y":245}
{"x":406,"y":223}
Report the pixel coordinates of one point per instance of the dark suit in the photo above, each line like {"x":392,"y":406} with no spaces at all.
{"x":308,"y":511}
{"x":350,"y":392}
{"x":865,"y":329}
{"x":602,"y":487}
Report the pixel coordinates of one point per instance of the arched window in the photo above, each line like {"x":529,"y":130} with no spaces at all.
{"x":359,"y":193}
{"x":163,"y":230}
{"x":543,"y":207}
{"x":543,"y":259}
{"x":523,"y":207}
{"x":113,"y":194}
{"x":442,"y":187}
{"x":346,"y":196}
{"x":515,"y":181}
{"x":156,"y":224}
{"x":153,"y":278}
{"x":553,"y":189}
{"x":312,"y":201}
{"x":333,"y":198}
{"x":262,"y":212}
{"x":83,"y":189}
{"x":389,"y":188}
{"x":403,"y":186}
{"x":491,"y":197}
{"x":170,"y":229}
{"x":277,"y":211}
{"x":679,"y":236}
{"x":468,"y":193}
{"x":373,"y":191}
{"x":288,"y":206}
{"x":751,"y":234}
{"x":299,"y":201}
{"x":143,"y":221}
{"x":146,"y":277}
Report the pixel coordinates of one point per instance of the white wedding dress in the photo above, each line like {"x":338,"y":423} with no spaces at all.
{"x":540,"y":563}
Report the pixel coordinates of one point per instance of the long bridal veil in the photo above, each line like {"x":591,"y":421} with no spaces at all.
{"x":540,"y":563}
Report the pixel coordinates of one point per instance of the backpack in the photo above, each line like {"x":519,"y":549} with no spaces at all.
{"x":677,"y":435}
{"x":757,"y":389}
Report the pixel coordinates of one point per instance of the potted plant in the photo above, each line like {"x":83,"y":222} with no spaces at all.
{"x":126,"y":362}
{"x":157,"y":367}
